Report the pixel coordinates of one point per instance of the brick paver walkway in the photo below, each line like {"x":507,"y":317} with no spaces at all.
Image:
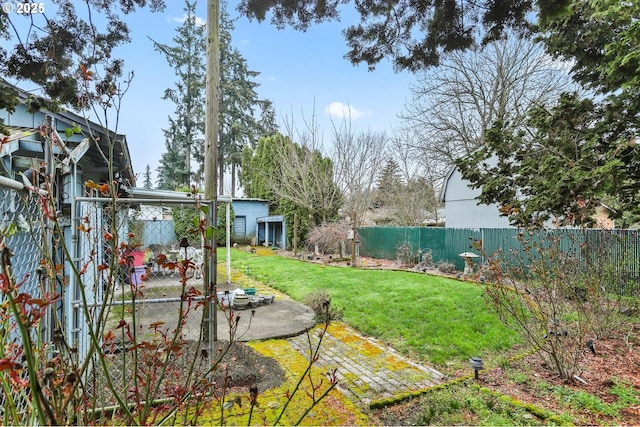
{"x":367,"y":370}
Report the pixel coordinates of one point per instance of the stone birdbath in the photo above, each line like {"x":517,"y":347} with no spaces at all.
{"x":469,"y":258}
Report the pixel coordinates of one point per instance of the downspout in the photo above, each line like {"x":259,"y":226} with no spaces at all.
{"x":47,"y":148}
{"x":74,"y":243}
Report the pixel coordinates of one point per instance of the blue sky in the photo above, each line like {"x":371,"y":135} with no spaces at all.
{"x":299,"y":72}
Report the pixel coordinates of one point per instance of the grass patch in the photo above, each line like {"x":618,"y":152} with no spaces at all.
{"x":430,"y":317}
{"x":626,"y":396}
{"x":466,"y":404}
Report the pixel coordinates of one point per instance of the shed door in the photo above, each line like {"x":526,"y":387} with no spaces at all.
{"x":240,"y":227}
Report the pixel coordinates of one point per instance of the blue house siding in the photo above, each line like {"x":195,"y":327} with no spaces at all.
{"x":247,"y":212}
{"x":25,"y":142}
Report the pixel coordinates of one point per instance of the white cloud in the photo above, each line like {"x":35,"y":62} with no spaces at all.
{"x":181,"y":19}
{"x":341,"y":111}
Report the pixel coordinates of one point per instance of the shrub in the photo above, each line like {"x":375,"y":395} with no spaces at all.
{"x":405,"y":255}
{"x":330,"y":237}
{"x":555,"y":294}
{"x":320,"y":303}
{"x":426,"y":256}
{"x":446,"y":267}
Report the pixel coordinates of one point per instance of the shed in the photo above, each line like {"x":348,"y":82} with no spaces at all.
{"x":462,"y":208}
{"x":272,"y":231}
{"x":247,"y":211}
{"x":70,"y":149}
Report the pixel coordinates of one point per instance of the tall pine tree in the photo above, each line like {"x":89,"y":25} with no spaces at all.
{"x":239,"y":106}
{"x":147,"y":178}
{"x":389,"y":184}
{"x":186,"y":127}
{"x":243,"y":118}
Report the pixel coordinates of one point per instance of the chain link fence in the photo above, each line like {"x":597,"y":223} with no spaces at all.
{"x":149,"y":290}
{"x":23,"y":242}
{"x":131,"y":301}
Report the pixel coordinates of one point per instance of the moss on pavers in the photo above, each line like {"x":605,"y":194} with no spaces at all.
{"x":362,"y":360}
{"x":368,"y":359}
{"x":335,"y":409}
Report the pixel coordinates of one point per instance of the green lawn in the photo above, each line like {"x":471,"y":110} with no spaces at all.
{"x":432,"y":318}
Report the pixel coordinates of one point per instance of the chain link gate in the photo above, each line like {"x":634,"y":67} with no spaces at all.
{"x":148,"y":300}
{"x":160,"y":291}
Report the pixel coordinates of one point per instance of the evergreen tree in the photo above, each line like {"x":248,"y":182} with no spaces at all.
{"x":413,"y":34}
{"x":238,"y":105}
{"x":389,"y":184}
{"x":50,"y":47}
{"x":267,"y":121}
{"x":186,"y":129}
{"x":147,"y":178}
{"x":581,"y":153}
{"x":259,"y":167}
{"x":171,"y":171}
{"x":238,"y":125}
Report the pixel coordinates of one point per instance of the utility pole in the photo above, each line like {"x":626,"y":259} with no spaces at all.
{"x":211,"y":158}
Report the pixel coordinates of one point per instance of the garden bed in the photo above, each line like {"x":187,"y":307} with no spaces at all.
{"x":610,"y":394}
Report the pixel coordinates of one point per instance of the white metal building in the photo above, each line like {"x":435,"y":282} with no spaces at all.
{"x":463,"y":210}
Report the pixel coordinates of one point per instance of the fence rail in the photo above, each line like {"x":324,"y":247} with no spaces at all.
{"x":617,"y":248}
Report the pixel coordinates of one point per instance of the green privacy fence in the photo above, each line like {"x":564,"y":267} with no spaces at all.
{"x":444,"y":244}
{"x":617,"y":248}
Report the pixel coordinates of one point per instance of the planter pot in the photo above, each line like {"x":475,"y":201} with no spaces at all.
{"x":136,"y":275}
{"x":240,"y":301}
{"x":138,"y":258}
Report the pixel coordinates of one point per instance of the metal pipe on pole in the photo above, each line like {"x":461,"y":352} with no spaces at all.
{"x":211,"y":157}
{"x":228,"y":242}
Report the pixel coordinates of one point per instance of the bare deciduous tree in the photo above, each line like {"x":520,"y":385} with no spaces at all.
{"x":452,"y":105}
{"x":417,"y":201}
{"x":305,"y":176}
{"x":358,"y":159}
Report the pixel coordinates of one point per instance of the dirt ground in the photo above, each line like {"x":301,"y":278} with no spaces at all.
{"x":617,"y":358}
{"x":243,"y":367}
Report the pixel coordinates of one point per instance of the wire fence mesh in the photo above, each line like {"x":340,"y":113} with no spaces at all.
{"x":127,"y":296}
{"x":23,"y":239}
{"x":153,"y":298}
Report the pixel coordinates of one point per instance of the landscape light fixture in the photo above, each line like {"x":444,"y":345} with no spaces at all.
{"x":476,"y":365}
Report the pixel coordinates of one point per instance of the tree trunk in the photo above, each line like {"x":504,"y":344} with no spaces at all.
{"x":233,"y":179}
